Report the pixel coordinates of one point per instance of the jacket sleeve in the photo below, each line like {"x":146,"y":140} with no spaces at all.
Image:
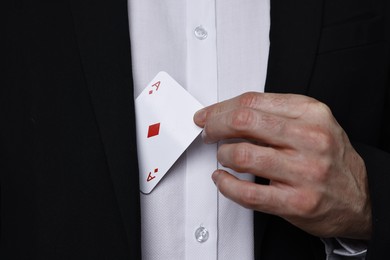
{"x":377,"y":162}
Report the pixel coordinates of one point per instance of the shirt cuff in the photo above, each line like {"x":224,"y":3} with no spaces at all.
{"x":343,"y":248}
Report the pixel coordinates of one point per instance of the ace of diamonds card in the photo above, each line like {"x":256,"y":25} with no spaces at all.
{"x":165,"y":127}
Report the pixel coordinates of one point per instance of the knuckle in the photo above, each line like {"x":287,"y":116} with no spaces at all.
{"x":320,"y":171}
{"x":306,"y":204}
{"x":314,"y":172}
{"x":242,"y":156}
{"x":296,"y":131}
{"x":313,"y":136}
{"x":321,"y":109}
{"x":320,"y":138}
{"x":242,"y":119}
{"x":249,"y":99}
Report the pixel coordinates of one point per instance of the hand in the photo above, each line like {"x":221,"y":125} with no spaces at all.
{"x":318,"y":181}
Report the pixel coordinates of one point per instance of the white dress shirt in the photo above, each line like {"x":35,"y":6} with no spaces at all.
{"x":216,"y":49}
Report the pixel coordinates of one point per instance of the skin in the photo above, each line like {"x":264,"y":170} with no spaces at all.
{"x":318,"y":181}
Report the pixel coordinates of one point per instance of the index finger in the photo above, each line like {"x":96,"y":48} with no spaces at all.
{"x":283,"y":105}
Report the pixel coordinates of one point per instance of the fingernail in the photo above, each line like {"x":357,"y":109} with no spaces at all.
{"x":200,"y":116}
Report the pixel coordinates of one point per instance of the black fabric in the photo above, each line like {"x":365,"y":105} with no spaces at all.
{"x":69,"y":176}
{"x":344,"y":63}
{"x":68,"y":160}
{"x":284,"y":241}
{"x":377,"y":162}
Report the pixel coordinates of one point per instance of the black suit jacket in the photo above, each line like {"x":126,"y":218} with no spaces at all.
{"x":68,"y":157}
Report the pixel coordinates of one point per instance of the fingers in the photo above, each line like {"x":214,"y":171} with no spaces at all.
{"x":281,"y":120}
{"x":264,"y":117}
{"x":260,"y":127}
{"x":250,"y":195}
{"x":298,"y":145}
{"x":246,"y":123}
{"x":284,"y":105}
{"x":261,"y":161}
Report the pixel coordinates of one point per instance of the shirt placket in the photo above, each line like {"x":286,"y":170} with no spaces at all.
{"x":201,"y":214}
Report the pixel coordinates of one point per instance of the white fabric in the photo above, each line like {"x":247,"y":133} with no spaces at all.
{"x":230,"y":61}
{"x":345,"y":249}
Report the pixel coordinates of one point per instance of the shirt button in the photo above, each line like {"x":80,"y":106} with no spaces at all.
{"x":200,"y":33}
{"x":201,"y":234}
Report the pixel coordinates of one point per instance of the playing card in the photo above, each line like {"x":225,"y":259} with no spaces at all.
{"x":165,"y":127}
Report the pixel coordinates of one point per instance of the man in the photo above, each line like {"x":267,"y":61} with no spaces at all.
{"x":69,"y":176}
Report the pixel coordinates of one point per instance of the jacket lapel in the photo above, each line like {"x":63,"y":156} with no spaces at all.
{"x":103,"y":38}
{"x":294,"y":36}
